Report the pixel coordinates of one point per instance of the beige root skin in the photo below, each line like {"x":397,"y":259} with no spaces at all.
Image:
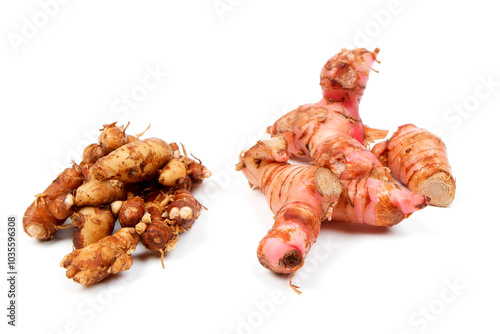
{"x":101,"y":259}
{"x":91,"y":224}
{"x":96,"y":192}
{"x":116,"y":207}
{"x":133,"y":162}
{"x":195,"y":170}
{"x":112,"y":137}
{"x":174,"y":170}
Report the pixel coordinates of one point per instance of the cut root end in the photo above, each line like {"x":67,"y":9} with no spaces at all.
{"x":439,"y":188}
{"x":328,"y":184}
{"x":38,"y":231}
{"x":292,"y":259}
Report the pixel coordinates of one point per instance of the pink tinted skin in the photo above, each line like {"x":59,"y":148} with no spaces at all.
{"x":314,"y":130}
{"x":291,"y":194}
{"x":288,"y":233}
{"x":424,"y":150}
{"x":344,"y":78}
{"x":379,"y":150}
{"x":351,"y":126}
{"x":343,"y":85}
{"x":273,"y":249}
{"x":358,"y":162}
{"x":394,"y":147}
{"x":271,"y":159}
{"x":408,"y":202}
{"x":374,"y":202}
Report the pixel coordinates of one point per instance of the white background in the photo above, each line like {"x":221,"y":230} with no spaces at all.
{"x":231,"y":72}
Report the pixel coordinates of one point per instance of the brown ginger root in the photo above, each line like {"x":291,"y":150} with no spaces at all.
{"x":183,"y":183}
{"x":130,"y":212}
{"x":156,"y":233}
{"x":91,"y":224}
{"x":113,"y":137}
{"x":184,"y":209}
{"x":101,"y":259}
{"x":174,"y":170}
{"x":90,"y":155}
{"x":100,"y":192}
{"x":114,"y":179}
{"x":133,"y":162}
{"x":197,"y":172}
{"x":49,"y":211}
{"x":110,"y":138}
{"x":194,"y":168}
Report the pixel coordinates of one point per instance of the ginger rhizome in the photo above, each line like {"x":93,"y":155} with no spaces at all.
{"x":180,"y":167}
{"x":103,"y":258}
{"x":184,"y":209}
{"x":330,"y":132}
{"x":124,"y":178}
{"x":45,"y":216}
{"x":331,"y":136}
{"x":156,"y":233}
{"x":343,"y":79}
{"x":299,"y":196}
{"x":91,"y":224}
{"x":129,"y":212}
{"x":169,"y":212}
{"x":110,"y":138}
{"x":418,"y":159}
{"x":374,"y":202}
{"x":113,"y":137}
{"x":96,"y":193}
{"x":133,"y":162}
{"x":322,"y":133}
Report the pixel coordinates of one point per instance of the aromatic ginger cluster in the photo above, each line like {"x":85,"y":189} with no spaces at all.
{"x":145,"y":185}
{"x":346,"y":181}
